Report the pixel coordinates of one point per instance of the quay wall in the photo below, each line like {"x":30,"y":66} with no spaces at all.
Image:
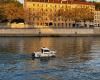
{"x":50,"y":32}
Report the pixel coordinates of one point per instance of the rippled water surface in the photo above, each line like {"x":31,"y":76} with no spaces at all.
{"x":77,"y":58}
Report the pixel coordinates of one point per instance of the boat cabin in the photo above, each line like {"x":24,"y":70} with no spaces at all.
{"x":43,"y":50}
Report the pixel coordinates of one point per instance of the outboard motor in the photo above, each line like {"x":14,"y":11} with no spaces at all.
{"x":33,"y":55}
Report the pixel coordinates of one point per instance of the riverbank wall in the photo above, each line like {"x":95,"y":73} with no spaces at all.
{"x":50,"y":32}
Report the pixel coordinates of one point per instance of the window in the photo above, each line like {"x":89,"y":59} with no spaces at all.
{"x":62,"y":24}
{"x":46,"y":5}
{"x":29,"y":9}
{"x":58,"y":24}
{"x":46,"y":18}
{"x":46,"y":10}
{"x":54,"y":24}
{"x":69,"y":24}
{"x":46,"y":51}
{"x":37,"y":23}
{"x":58,"y":19}
{"x":37,"y":4}
{"x":41,"y":23}
{"x":42,"y":5}
{"x":66,"y":24}
{"x":33,"y":4}
{"x":50,"y":10}
{"x":55,"y":6}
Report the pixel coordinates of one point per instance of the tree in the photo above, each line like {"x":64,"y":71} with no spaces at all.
{"x":7,"y":1}
{"x":87,"y":14}
{"x":97,"y":5}
{"x":76,"y":14}
{"x":66,"y":13}
{"x":2,"y":16}
{"x":12,"y":11}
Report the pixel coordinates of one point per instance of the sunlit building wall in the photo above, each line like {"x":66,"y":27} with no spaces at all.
{"x":40,"y":13}
{"x":97,"y":18}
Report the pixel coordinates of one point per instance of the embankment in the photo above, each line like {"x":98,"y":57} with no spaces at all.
{"x":50,"y":32}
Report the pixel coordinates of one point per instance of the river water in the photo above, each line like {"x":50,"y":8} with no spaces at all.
{"x":77,"y":58}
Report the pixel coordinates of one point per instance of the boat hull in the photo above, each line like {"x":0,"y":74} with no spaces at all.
{"x":35,"y":55}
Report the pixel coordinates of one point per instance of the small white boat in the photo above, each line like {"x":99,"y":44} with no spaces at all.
{"x":45,"y":52}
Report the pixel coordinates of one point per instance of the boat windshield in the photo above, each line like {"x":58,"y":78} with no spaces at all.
{"x":46,"y":51}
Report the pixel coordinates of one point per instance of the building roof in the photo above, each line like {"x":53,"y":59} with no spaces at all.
{"x":63,"y":1}
{"x":85,"y":3}
{"x":45,"y":48}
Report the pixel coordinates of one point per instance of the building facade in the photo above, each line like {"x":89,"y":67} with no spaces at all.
{"x":41,"y":13}
{"x":97,"y":18}
{"x":54,"y":1}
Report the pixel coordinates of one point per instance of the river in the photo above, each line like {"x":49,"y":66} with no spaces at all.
{"x":77,"y":58}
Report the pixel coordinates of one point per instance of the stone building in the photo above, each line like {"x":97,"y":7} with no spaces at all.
{"x":97,"y":18}
{"x":41,"y":12}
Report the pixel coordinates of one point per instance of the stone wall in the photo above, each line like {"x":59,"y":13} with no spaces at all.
{"x":97,"y":30}
{"x":67,"y":31}
{"x":46,"y":32}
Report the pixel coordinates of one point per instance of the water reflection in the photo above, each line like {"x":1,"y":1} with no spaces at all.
{"x":77,"y":58}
